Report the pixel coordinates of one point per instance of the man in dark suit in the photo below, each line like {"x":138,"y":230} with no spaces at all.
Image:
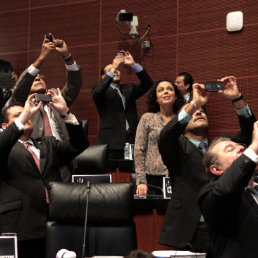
{"x":31,"y":81}
{"x":27,"y":167}
{"x":116,"y":104}
{"x":182,"y":144}
{"x":184,"y":81}
{"x":230,"y":203}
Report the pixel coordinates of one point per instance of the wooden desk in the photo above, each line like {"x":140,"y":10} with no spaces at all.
{"x":148,"y":217}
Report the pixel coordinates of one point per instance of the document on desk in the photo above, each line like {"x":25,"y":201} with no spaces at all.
{"x":178,"y":254}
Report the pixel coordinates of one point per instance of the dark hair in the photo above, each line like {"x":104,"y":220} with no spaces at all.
{"x":102,"y":71}
{"x":5,"y":66}
{"x":188,"y":79}
{"x":4,"y":112}
{"x":153,"y":105}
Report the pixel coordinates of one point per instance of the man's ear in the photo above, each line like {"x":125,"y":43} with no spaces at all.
{"x":187,"y":86}
{"x":4,"y":126}
{"x":216,"y":170}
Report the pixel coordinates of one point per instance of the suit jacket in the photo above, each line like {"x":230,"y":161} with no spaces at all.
{"x":184,"y":162}
{"x":232,"y":212}
{"x":23,"y":208}
{"x":70,"y":91}
{"x":112,"y":114}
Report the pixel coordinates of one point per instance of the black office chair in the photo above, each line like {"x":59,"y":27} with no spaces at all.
{"x":111,"y":229}
{"x":93,"y":160}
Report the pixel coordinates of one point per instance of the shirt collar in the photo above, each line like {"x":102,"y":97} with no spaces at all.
{"x":196,"y":143}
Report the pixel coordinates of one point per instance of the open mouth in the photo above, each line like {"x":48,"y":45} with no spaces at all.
{"x":166,"y":98}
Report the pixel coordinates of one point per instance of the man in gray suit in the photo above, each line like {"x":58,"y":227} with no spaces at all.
{"x":31,"y":81}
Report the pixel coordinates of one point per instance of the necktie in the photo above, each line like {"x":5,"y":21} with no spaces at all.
{"x":27,"y":145}
{"x":47,"y":127}
{"x":202,"y":146}
{"x":123,"y":101}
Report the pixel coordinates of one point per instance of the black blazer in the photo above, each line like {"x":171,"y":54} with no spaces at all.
{"x":112,"y":114}
{"x":23,"y":208}
{"x":232,"y":212}
{"x":184,"y":162}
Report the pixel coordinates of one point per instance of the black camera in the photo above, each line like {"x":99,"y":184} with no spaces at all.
{"x":43,"y":97}
{"x":213,"y":86}
{"x":125,"y":17}
{"x":49,"y":37}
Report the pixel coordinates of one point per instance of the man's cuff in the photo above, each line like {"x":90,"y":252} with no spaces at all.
{"x":244,"y":112}
{"x":251,"y":155}
{"x":73,"y":67}
{"x":19,"y":124}
{"x":73,"y":122}
{"x":33,"y":70}
{"x":184,"y":117}
{"x":112,"y":75}
{"x":137,"y":68}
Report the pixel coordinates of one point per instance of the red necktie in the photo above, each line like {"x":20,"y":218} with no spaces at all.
{"x":47,"y":127}
{"x":27,"y":145}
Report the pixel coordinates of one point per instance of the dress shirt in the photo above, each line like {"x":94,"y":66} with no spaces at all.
{"x":34,"y":71}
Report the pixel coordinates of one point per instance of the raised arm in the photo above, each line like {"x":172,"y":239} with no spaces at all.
{"x":23,"y":85}
{"x":74,"y":77}
{"x":77,"y":142}
{"x":145,"y":80}
{"x":245,"y":115}
{"x":98,"y":91}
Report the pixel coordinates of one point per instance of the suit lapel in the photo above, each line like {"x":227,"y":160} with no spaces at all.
{"x":26,"y":153}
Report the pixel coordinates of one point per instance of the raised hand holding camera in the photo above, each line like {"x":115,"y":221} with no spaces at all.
{"x":230,"y":88}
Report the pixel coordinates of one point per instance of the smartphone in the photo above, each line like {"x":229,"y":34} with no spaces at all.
{"x":120,"y":54}
{"x":43,"y":97}
{"x":49,"y":37}
{"x":213,"y":86}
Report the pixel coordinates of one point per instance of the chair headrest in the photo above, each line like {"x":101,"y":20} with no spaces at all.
{"x":93,"y":160}
{"x":108,"y":203}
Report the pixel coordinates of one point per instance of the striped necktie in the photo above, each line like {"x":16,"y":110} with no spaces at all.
{"x":123,"y":101}
{"x":202,"y":146}
{"x":28,"y":145}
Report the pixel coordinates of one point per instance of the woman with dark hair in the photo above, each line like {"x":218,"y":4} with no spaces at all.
{"x":164,"y":102}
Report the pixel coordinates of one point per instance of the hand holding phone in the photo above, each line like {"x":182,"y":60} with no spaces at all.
{"x":120,"y":54}
{"x":49,"y":37}
{"x":213,"y":86}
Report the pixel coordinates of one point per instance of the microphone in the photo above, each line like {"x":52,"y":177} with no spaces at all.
{"x":63,"y":253}
{"x":86,"y":217}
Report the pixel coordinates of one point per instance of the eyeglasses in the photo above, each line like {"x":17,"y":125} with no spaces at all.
{"x":41,"y":76}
